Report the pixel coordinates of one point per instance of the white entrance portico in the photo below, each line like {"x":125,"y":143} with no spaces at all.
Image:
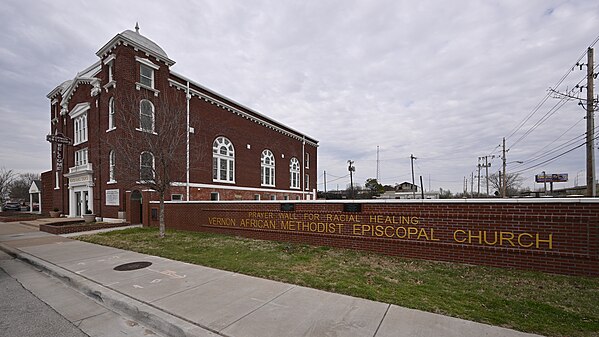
{"x":35,"y":194}
{"x":81,"y":189}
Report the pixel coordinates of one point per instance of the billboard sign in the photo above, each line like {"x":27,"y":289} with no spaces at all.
{"x":552,"y":178}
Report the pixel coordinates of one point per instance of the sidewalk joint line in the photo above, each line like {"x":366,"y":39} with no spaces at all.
{"x":382,"y":319}
{"x":259,"y":307}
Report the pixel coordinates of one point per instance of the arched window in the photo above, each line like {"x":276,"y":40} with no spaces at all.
{"x":111,"y":167}
{"x":223,"y":160}
{"x":267,"y":163}
{"x":294,"y":172}
{"x":111,"y":114}
{"x":146,"y":166}
{"x":146,"y":116}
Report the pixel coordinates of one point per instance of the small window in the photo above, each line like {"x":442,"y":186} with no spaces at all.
{"x":307,"y":181}
{"x":146,"y":76}
{"x":307,"y":160}
{"x":214,"y":196}
{"x":80,"y":129}
{"x":146,"y":116}
{"x":111,"y":114}
{"x":294,"y":173}
{"x":286,"y":197}
{"x":273,"y":197}
{"x":110,"y":75}
{"x":267,"y":163}
{"x":146,"y":166}
{"x":81,"y":157}
{"x":223,"y":160}
{"x":177,"y":197}
{"x":111,"y":167}
{"x":256,"y":196}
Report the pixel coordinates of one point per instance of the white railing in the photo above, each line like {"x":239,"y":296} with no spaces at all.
{"x":80,"y":168}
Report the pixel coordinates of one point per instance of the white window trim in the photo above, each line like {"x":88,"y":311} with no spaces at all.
{"x":153,"y":130}
{"x":111,"y":170}
{"x":296,"y":172}
{"x":147,"y":62}
{"x":270,"y":167}
{"x":109,"y":58}
{"x":81,"y":160}
{"x":111,"y":116}
{"x":153,"y":166}
{"x":230,"y":161}
{"x":79,"y":109}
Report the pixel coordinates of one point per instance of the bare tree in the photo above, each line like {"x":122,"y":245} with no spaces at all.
{"x":150,"y":143}
{"x":6,"y":178}
{"x":513,"y":182}
{"x":19,"y":187}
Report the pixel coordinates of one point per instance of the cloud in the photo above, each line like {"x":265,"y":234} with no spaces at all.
{"x":442,"y":81}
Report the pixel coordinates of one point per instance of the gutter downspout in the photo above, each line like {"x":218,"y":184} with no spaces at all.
{"x":187,"y":98}
{"x":303,"y":182}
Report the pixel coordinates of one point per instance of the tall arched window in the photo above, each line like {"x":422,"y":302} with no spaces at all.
{"x":111,"y":166}
{"x":294,"y":173}
{"x":146,"y":116}
{"x":111,"y":114}
{"x":267,"y":163}
{"x":146,"y":166}
{"x":223,"y":160}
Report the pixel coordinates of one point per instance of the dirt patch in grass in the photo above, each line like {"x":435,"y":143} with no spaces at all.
{"x":553,"y":305}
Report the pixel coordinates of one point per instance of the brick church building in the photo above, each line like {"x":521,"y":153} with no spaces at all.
{"x":228,"y":152}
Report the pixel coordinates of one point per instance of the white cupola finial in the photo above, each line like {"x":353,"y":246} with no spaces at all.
{"x":136,"y":27}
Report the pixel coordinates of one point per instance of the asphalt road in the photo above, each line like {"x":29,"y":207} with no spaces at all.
{"x":23,"y":314}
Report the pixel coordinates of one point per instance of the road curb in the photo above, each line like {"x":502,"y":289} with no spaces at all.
{"x":163,"y":322}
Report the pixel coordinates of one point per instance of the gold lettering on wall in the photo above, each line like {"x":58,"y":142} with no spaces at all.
{"x":395,"y":227}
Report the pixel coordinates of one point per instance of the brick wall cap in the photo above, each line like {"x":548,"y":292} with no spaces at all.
{"x":403,"y":201}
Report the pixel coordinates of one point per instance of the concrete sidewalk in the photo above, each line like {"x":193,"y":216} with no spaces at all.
{"x":181,"y":299}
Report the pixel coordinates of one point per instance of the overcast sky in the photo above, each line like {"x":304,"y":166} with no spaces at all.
{"x":443,"y":80}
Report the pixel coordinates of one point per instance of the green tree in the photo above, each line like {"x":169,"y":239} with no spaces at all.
{"x":373,"y":187}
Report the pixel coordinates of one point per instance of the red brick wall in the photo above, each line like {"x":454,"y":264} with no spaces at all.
{"x":46,"y":195}
{"x":557,"y":236}
{"x":209,"y":119}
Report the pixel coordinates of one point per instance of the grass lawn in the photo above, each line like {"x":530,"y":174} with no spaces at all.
{"x":552,"y":305}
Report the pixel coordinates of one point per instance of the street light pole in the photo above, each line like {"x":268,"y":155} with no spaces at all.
{"x":412,"y":158}
{"x":503,"y":185}
{"x":351,"y":170}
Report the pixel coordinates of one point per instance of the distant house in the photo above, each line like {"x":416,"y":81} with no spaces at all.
{"x":406,"y":187}
{"x":407,"y":190}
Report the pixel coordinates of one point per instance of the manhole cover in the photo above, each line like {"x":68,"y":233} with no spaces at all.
{"x":132,"y":266}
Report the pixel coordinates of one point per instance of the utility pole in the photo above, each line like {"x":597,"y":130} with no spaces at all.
{"x":378,"y":170}
{"x":351,"y":170}
{"x":591,"y":187}
{"x":478,"y":181}
{"x":412,"y":158}
{"x":325,"y":184}
{"x":544,"y":183}
{"x":472,"y":184}
{"x":487,"y":172}
{"x":421,"y":188}
{"x":504,"y":184}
